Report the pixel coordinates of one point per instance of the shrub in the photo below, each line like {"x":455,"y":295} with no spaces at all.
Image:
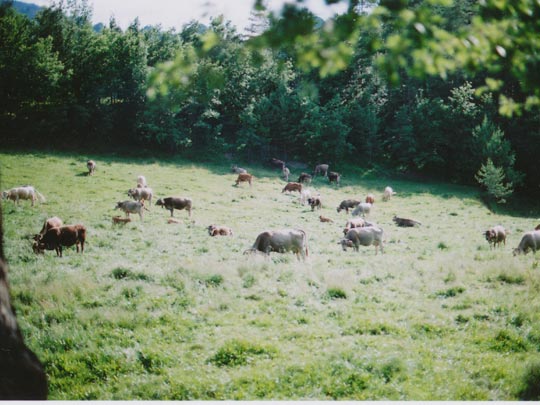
{"x":239,"y":352}
{"x":492,"y":179}
{"x":336,"y":293}
{"x":214,"y":280}
{"x":451,"y":292}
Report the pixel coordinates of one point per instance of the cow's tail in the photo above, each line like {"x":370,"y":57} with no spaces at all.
{"x":41,"y":197}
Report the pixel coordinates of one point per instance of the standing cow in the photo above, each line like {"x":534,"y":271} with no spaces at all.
{"x":364,"y":236}
{"x":91,"y":166}
{"x":67,"y":235}
{"x":172,"y":203}
{"x":131,"y":207}
{"x":281,"y":241}
{"x":495,"y":236}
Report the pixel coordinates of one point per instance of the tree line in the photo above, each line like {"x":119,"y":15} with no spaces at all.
{"x":206,"y":91}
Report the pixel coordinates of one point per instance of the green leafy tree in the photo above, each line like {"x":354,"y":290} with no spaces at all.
{"x":492,"y":179}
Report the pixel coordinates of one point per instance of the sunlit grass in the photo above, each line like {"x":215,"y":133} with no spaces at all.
{"x":164,"y":311}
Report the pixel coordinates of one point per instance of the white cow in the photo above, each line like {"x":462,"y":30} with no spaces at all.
{"x":364,"y":236}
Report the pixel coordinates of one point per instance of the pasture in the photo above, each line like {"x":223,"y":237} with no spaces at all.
{"x":153,"y":310}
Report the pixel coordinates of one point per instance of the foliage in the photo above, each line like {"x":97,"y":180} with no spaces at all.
{"x":492,"y":178}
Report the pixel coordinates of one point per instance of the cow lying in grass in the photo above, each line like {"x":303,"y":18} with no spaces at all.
{"x":217,"y":230}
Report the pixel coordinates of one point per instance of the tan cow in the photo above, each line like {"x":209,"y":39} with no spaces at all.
{"x":281,"y":241}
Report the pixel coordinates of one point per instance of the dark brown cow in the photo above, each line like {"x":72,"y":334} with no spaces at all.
{"x":290,"y":187}
{"x":304,"y":178}
{"x":68,"y":235}
{"x":178,"y":203}
{"x":347,"y":205}
{"x":53,"y":222}
{"x":334,"y":177}
{"x":405,"y":222}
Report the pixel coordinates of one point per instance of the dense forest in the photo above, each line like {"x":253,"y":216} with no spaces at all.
{"x":66,"y":85}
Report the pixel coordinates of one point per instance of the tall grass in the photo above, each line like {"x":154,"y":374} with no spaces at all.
{"x":163,"y":311}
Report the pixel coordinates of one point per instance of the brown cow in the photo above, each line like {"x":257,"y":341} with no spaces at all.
{"x":290,"y":187}
{"x":370,"y":198}
{"x":118,"y":220}
{"x":304,"y":178}
{"x":325,"y":219}
{"x":495,"y":236}
{"x":315,"y":202}
{"x":244,"y":177}
{"x":215,"y":230}
{"x":334,"y":177}
{"x":172,"y":203}
{"x":53,"y":222}
{"x":68,"y":235}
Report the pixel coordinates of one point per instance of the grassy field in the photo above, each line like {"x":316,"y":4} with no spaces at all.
{"x":153,"y":310}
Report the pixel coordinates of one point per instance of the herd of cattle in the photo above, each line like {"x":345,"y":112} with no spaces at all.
{"x":358,"y":230}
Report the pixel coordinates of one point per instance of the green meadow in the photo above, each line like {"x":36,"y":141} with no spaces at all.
{"x":153,"y":310}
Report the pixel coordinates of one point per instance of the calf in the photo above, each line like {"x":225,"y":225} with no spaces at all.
{"x":141,"y":194}
{"x":495,"y":236}
{"x":347,"y":205}
{"x":215,"y":230}
{"x":120,"y":221}
{"x":304,"y":178}
{"x":334,"y":177}
{"x":281,"y":241}
{"x":67,"y":236}
{"x":365,"y":236}
{"x":91,"y":166}
{"x":529,"y":241}
{"x":290,"y":187}
{"x":324,"y":219}
{"x":172,"y":203}
{"x":131,"y":207}
{"x":243,"y":178}
{"x":315,"y":202}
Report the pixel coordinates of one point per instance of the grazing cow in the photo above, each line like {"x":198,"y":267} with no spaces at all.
{"x":315,"y":202}
{"x":354,"y":223}
{"x":131,"y":207}
{"x":172,"y":203}
{"x":244,"y":177}
{"x":116,"y":220}
{"x":365,"y":236}
{"x":91,"y":166}
{"x":495,"y":236}
{"x":304,"y":178}
{"x":67,"y":236}
{"x":285,"y":172}
{"x":22,"y":193}
{"x":321,"y":169}
{"x":347,"y":205}
{"x":281,"y":241}
{"x":370,"y":198}
{"x":325,"y":219}
{"x":529,"y":241}
{"x":141,"y":194}
{"x":215,"y":230}
{"x":141,"y":181}
{"x":362,"y":209}
{"x":53,"y":222}
{"x":238,"y":170}
{"x":388,"y":193}
{"x":290,"y":187}
{"x":405,"y":222}
{"x":22,"y":376}
{"x":334,"y":177}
